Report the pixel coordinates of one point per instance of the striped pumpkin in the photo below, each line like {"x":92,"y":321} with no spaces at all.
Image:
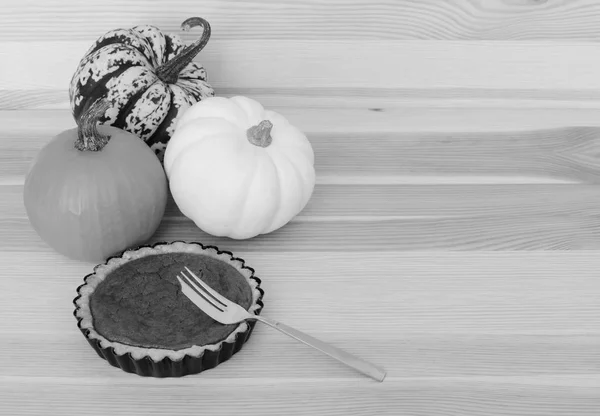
{"x":149,"y":77}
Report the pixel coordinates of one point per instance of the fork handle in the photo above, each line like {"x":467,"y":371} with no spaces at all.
{"x":350,"y":360}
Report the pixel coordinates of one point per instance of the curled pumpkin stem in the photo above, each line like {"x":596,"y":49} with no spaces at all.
{"x":169,"y":71}
{"x":88,"y":136}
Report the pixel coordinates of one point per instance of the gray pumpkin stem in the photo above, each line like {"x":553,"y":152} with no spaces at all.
{"x":88,"y":136}
{"x":169,"y":71}
{"x":260,"y":135}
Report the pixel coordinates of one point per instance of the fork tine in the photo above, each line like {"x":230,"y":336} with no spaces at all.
{"x":199,"y":291}
{"x":210,"y":291}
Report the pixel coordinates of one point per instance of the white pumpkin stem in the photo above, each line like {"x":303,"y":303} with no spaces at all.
{"x":260,"y":135}
{"x":169,"y":71}
{"x":88,"y":136}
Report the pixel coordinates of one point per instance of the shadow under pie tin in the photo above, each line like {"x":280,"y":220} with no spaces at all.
{"x":156,"y":360}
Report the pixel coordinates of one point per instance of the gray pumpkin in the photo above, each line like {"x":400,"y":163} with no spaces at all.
{"x":148,"y":76}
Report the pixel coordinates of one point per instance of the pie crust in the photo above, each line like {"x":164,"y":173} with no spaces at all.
{"x":164,"y":362}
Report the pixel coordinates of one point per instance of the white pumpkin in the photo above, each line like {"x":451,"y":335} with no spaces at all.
{"x":238,"y":170}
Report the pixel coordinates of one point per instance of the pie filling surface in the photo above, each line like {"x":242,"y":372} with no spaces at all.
{"x":140,"y":303}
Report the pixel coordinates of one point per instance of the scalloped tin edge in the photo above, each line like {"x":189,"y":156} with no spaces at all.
{"x":168,"y":367}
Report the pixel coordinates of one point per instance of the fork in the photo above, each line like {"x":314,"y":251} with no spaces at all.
{"x":227,"y":312}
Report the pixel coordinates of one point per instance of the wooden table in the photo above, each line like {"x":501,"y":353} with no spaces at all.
{"x":453,"y":237}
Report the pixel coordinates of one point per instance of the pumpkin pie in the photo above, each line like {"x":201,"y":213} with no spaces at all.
{"x":132,"y":312}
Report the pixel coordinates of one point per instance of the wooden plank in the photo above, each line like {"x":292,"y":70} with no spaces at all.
{"x":271,"y":355}
{"x":526,"y":232}
{"x":452,"y":273}
{"x":501,"y":272}
{"x":333,"y":202}
{"x":516,"y":396}
{"x":351,"y":202}
{"x":551,"y":155}
{"x":564,"y":154}
{"x":564,"y":231}
{"x":241,"y":64}
{"x":328,"y":99}
{"x":30,"y":129}
{"x":330,"y":20}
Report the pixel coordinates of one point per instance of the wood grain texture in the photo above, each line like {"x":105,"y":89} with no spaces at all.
{"x":461,"y":328}
{"x":439,"y":293}
{"x":375,"y":100}
{"x":453,"y":234}
{"x":394,"y":217}
{"x":25,"y":128}
{"x":321,"y":20}
{"x":416,"y":397}
{"x":523,"y":232}
{"x":462,"y":333}
{"x":342,"y":74}
{"x":551,"y":155}
{"x":428,"y":55}
{"x":379,"y":147}
{"x":519,"y":190}
{"x":319,"y":64}
{"x":348,"y":202}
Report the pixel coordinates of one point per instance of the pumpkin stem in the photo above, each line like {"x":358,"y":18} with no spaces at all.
{"x":169,"y":71}
{"x":88,"y":136}
{"x":260,"y":135}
